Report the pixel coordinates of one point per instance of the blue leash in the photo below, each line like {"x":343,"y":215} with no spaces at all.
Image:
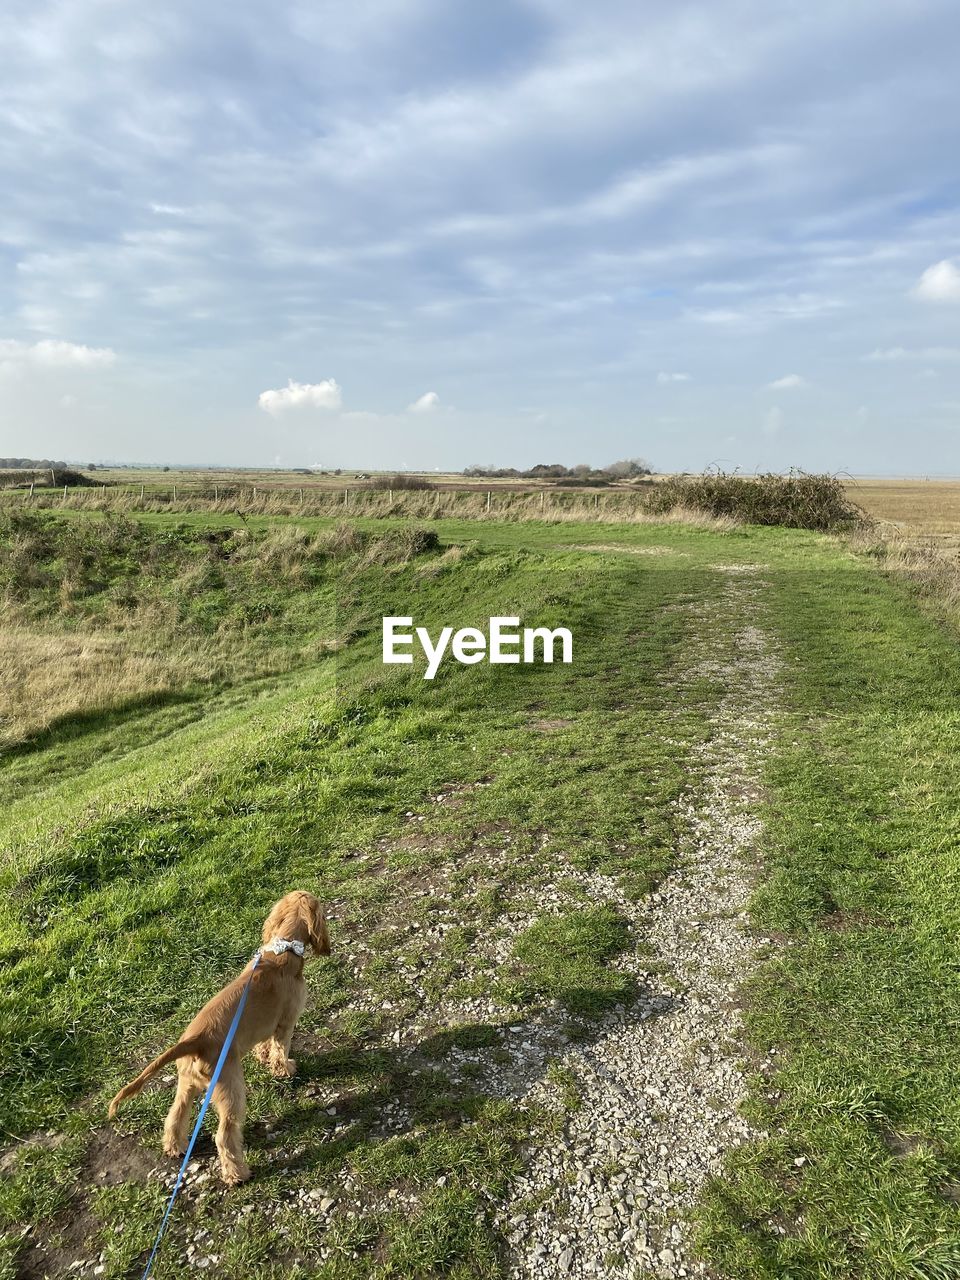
{"x":203,"y":1111}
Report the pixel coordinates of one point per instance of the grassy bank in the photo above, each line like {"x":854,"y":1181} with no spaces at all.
{"x":449,"y":825}
{"x":428,"y":816}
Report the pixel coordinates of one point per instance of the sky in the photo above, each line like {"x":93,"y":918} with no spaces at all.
{"x":422,"y":234}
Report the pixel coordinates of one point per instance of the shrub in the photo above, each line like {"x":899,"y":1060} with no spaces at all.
{"x":628,"y":468}
{"x":402,"y":480}
{"x":46,"y":478}
{"x":75,"y":479}
{"x":795,"y":501}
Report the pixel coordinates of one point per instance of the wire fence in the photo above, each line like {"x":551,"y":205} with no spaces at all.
{"x":329,"y":500}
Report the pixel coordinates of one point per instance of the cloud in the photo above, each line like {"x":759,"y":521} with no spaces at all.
{"x":51,"y":353}
{"x":764,"y":312}
{"x":301,"y":395}
{"x":939,"y":283}
{"x":787,"y":383}
{"x":425,"y":403}
{"x":665,"y":378}
{"x":528,"y":188}
{"x":915,"y":353}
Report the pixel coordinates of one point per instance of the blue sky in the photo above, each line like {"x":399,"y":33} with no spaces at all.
{"x":425,"y":234}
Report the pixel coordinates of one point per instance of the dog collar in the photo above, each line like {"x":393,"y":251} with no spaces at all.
{"x":279,"y":945}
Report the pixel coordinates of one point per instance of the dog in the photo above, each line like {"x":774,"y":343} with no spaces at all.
{"x":276,"y":999}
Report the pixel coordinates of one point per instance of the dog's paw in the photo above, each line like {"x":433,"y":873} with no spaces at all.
{"x":173,"y":1149}
{"x":234,"y":1174}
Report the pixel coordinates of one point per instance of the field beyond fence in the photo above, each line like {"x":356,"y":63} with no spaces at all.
{"x":796,"y":500}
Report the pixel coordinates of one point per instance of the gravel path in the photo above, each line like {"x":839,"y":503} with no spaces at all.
{"x":660,"y":1090}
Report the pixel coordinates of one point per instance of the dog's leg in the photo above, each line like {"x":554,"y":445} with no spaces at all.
{"x":230,"y":1099}
{"x":178,"y":1117}
{"x":278,"y":1048}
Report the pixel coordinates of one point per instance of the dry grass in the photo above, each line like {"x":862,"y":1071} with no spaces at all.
{"x":920,"y":507}
{"x":103,"y":615}
{"x":929,"y":564}
{"x":917,"y":534}
{"x":605,"y":507}
{"x":46,"y":677}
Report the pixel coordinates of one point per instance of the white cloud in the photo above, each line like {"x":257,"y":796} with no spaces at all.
{"x":51,"y":353}
{"x":425,"y":403}
{"x":763,"y":312}
{"x":665,"y":378}
{"x":301,"y":395}
{"x":939,"y":283}
{"x":787,"y":383}
{"x":915,"y":353}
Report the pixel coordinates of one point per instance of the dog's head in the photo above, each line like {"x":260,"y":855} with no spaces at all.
{"x":299,"y":917}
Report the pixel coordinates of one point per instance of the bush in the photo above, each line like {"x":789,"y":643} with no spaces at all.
{"x":795,"y":501}
{"x":401,"y":481}
{"x":75,"y":479}
{"x":628,"y":468}
{"x":46,"y":478}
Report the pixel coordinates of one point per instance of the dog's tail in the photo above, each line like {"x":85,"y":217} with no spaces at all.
{"x":182,"y":1049}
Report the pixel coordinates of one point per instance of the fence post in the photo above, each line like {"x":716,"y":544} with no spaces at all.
{"x":541,"y":499}
{"x":254,"y":493}
{"x":390,"y":492}
{"x":301,"y":497}
{"x":174,"y":493}
{"x":31,"y":488}
{"x":64,"y":493}
{"x":141,"y":493}
{"x":346,"y":494}
{"x":489,"y":495}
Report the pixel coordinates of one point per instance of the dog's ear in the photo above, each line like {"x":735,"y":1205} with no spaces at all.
{"x":319,"y":935}
{"x":273,"y":925}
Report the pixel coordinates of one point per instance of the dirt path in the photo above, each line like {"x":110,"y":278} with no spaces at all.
{"x":660,"y":1091}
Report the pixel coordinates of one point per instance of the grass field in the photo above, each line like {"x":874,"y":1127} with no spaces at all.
{"x":488,"y":844}
{"x":915,"y":507}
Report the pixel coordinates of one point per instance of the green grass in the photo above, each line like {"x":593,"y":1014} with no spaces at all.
{"x":141,"y":849}
{"x":566,"y":958}
{"x":861,"y":1011}
{"x":139,"y":871}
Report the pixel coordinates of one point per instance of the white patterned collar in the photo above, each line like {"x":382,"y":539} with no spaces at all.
{"x":279,"y":945}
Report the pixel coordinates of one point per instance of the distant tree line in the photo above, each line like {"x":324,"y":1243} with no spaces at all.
{"x":582,"y":474}
{"x":30,"y":464}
